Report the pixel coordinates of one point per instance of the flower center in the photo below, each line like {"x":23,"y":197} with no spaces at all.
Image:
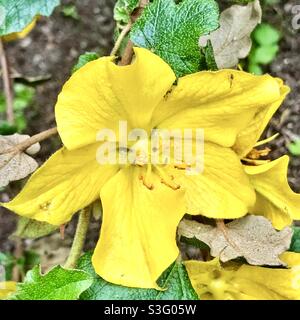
{"x":142,"y":155}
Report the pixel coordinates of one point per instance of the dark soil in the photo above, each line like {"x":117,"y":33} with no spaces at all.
{"x":54,"y":46}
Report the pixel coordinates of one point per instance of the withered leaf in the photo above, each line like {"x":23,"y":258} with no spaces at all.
{"x":251,"y":237}
{"x":15,"y":165}
{"x":32,"y":229}
{"x":232,"y":41}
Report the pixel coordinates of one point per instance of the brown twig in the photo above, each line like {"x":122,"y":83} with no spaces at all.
{"x":33,"y":140}
{"x":121,"y":37}
{"x":128,"y":52}
{"x":7,"y":84}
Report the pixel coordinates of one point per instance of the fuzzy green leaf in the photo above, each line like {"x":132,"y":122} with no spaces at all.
{"x":19,"y":13}
{"x":123,"y":10}
{"x":33,"y":229}
{"x":172,"y":31}
{"x":210,"y":60}
{"x":57,"y":284}
{"x":295,"y":243}
{"x":175,"y":280}
{"x":84,"y":59}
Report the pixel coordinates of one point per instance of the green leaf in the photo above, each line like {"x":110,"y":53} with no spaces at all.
{"x":175,"y":280}
{"x":31,"y":259}
{"x":294,"y":148}
{"x":210,"y":61}
{"x":6,"y":128}
{"x":33,"y":229}
{"x":57,"y":284}
{"x":7,"y":261}
{"x":24,"y":96}
{"x":264,"y":55}
{"x":123,"y":10}
{"x":266,"y":35}
{"x":172,"y":31}
{"x":19,"y":13}
{"x":295,"y":243}
{"x":84,"y":59}
{"x":70,"y":11}
{"x":255,"y":69}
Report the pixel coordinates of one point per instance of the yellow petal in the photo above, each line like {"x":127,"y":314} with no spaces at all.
{"x":138,"y":234}
{"x":222,"y":103}
{"x":275,"y":199}
{"x":249,"y":136}
{"x":223,"y":190}
{"x":101,"y":93}
{"x":22,"y":34}
{"x":141,"y":86}
{"x":67,"y":182}
{"x":271,"y":284}
{"x":209,"y":279}
{"x":292,"y":259}
{"x":233,"y":281}
{"x":6,"y":288}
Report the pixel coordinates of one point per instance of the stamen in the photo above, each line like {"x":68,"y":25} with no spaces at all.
{"x":182,"y":166}
{"x":167,"y":180}
{"x":255,"y":154}
{"x":262,"y":142}
{"x":145,"y":179}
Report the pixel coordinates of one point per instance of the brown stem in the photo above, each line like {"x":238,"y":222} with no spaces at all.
{"x":127,"y":55}
{"x":128,"y":52}
{"x":33,"y":140}
{"x":7,"y":84}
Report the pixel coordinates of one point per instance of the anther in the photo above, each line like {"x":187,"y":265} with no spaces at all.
{"x":255,"y":154}
{"x":182,"y":166}
{"x":172,"y":186}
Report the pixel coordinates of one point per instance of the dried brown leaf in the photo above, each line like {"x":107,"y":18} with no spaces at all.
{"x":251,"y":237}
{"x":232,"y":40}
{"x":15,"y":165}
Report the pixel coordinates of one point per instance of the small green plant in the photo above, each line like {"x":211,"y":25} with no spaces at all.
{"x":265,"y":47}
{"x":294,"y":148}
{"x":24,"y":96}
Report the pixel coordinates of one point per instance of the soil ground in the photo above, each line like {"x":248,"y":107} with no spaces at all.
{"x":54,"y":47}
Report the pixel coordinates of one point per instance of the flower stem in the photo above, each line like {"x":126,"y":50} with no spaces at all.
{"x":128,"y":52}
{"x":79,"y":239}
{"x":7,"y":83}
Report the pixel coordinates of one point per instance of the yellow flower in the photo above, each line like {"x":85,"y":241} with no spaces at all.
{"x":22,"y":34}
{"x":274,"y":197}
{"x":234,"y":281}
{"x":6,"y":288}
{"x":143,"y":203}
